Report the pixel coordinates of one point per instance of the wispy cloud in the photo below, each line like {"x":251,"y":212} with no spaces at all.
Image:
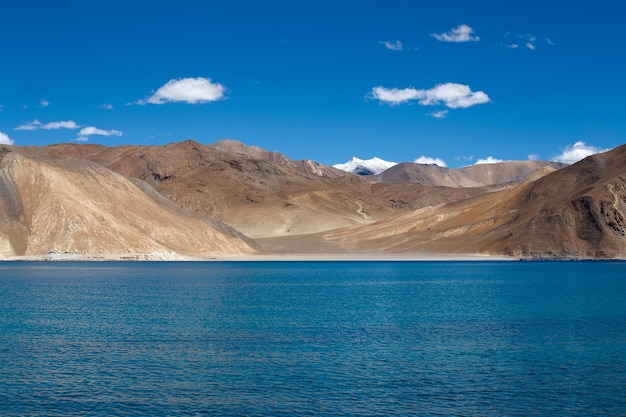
{"x":439,"y":114}
{"x":530,"y":41}
{"x":106,"y":106}
{"x":5,"y":139}
{"x":452,"y":95}
{"x":461,"y":33}
{"x":430,"y":161}
{"x":574,"y":153}
{"x":36,"y":125}
{"x":85,"y":132}
{"x":393,"y":46}
{"x":488,"y":160}
{"x":44,"y":103}
{"x":188,"y":90}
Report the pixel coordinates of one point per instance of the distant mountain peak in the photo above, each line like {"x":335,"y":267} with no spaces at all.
{"x":359,"y":166}
{"x":256,"y":152}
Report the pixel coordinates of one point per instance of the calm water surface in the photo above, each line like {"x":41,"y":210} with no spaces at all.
{"x":313,"y":338}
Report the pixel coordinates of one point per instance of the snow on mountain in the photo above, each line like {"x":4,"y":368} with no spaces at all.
{"x":365,"y":167}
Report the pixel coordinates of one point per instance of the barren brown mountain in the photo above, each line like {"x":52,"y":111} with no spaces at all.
{"x":228,"y":198}
{"x":575,"y":212}
{"x":260,"y":197}
{"x":472,"y":176}
{"x":60,"y":205}
{"x":255,"y":152}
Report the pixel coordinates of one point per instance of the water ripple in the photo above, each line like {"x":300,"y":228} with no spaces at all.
{"x":313,"y":339}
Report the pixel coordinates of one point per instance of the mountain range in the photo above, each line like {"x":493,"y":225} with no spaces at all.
{"x":189,"y":200}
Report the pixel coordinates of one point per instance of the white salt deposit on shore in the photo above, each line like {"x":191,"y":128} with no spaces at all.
{"x":171,"y":256}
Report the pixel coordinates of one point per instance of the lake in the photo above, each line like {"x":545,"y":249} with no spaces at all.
{"x":312,"y":338}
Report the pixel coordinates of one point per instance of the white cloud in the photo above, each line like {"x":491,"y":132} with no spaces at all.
{"x":44,"y":103}
{"x":488,"y":160}
{"x":533,"y":157}
{"x":549,"y":41}
{"x":440,"y":114}
{"x":429,"y":161}
{"x":394,"y":95}
{"x":106,"y":106}
{"x":576,"y":152}
{"x":36,"y":125}
{"x":85,"y":132}
{"x":65,"y":124}
{"x":452,"y":95}
{"x":189,"y":90}
{"x":530,"y":46}
{"x":461,"y":33}
{"x":513,"y":46}
{"x":5,"y":139}
{"x":393,"y":46}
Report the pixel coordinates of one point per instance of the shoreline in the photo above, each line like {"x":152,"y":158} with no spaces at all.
{"x":173,"y":257}
{"x":364,"y":258}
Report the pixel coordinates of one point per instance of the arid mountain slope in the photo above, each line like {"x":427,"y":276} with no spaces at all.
{"x":472,"y":176}
{"x":256,"y":196}
{"x":509,"y":171}
{"x":73,"y":206}
{"x":255,"y":152}
{"x":193,"y":199}
{"x":576,"y":212}
{"x":259,"y":197}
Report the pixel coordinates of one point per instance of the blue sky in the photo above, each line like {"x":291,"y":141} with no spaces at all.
{"x":457,"y":80}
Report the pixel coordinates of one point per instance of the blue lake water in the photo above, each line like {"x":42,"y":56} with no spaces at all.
{"x":313,"y":338}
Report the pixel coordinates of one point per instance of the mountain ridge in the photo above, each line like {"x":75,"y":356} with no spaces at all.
{"x":470,"y":176}
{"x":228,"y":199}
{"x":312,"y":167}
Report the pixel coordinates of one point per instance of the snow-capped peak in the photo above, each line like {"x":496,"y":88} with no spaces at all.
{"x":365,"y":167}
